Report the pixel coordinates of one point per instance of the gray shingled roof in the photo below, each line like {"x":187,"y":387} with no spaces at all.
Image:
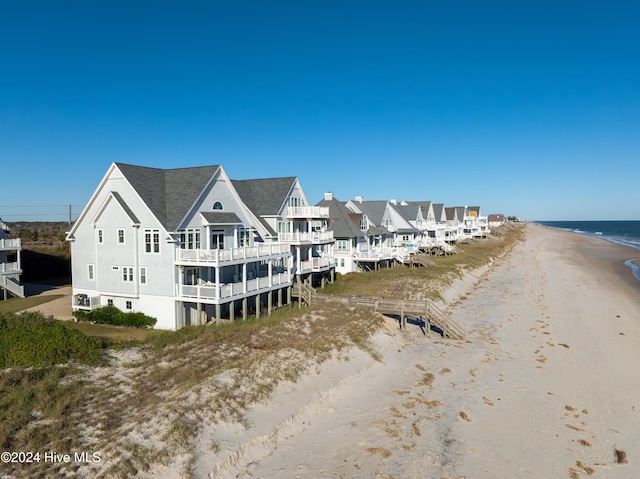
{"x":438,"y":209}
{"x":264,"y":197}
{"x":219,"y":218}
{"x":373,"y":209}
{"x":424,"y":207}
{"x":408,"y":212}
{"x":340,"y":221}
{"x":169,"y":194}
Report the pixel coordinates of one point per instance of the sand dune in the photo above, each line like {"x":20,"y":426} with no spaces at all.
{"x":544,"y":387}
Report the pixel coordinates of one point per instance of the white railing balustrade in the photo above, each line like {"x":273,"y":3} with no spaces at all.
{"x":6,"y":244}
{"x":316,"y":264}
{"x":216,"y":256}
{"x":313,"y":237}
{"x":308,"y":212}
{"x":9,"y":268}
{"x":216,"y":292}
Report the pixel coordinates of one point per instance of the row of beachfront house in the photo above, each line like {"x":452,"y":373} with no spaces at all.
{"x":189,"y":245}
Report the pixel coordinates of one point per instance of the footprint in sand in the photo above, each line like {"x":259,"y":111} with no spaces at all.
{"x":487,"y":401}
{"x":464,"y":416}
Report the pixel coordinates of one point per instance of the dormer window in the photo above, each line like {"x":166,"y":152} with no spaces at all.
{"x":217,"y":205}
{"x":363,"y":223}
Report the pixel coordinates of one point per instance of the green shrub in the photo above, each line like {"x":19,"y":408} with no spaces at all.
{"x":112,"y":315}
{"x":30,"y":339}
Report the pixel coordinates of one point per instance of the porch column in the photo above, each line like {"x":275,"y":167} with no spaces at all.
{"x":258,"y":306}
{"x":218,"y":318}
{"x":245,"y":305}
{"x":279,"y":297}
{"x":200,"y":320}
{"x":269,"y":301}
{"x":270,"y":269}
{"x":232,"y":311}
{"x":244,"y":277}
{"x":217,"y":272}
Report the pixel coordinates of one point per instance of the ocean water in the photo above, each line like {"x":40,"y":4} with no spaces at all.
{"x":622,"y":232}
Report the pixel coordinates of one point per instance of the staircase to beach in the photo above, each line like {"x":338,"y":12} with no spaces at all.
{"x":12,"y":286}
{"x":424,"y":309}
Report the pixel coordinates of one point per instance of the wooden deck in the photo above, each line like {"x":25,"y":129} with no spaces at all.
{"x":425,"y":309}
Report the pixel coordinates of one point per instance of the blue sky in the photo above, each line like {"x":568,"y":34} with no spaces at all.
{"x":524,"y":108}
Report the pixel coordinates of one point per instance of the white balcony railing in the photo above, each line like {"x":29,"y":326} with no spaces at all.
{"x":217,"y":292}
{"x":316,"y":265}
{"x":315,"y":237}
{"x":9,"y":268}
{"x":238,"y":255}
{"x":310,"y":212}
{"x":10,"y":244}
{"x":374,"y":254}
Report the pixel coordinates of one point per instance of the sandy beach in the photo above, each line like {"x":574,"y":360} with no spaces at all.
{"x":544,"y":386}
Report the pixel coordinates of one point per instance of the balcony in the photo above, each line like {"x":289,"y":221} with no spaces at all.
{"x":224,"y":293}
{"x":298,"y":238}
{"x":224,"y":257}
{"x":316,"y":265}
{"x":307,"y":212}
{"x":8,"y":268}
{"x":374,"y":255}
{"x":10,"y":244}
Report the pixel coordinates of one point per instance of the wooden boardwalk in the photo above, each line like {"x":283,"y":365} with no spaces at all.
{"x":424,"y":309}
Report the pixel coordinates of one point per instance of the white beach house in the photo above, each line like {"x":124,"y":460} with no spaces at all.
{"x":186,"y":246}
{"x":10,"y":263}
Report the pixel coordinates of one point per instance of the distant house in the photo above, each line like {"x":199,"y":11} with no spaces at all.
{"x":188,"y":245}
{"x":496,"y":220}
{"x":10,"y":263}
{"x":359,"y":244}
{"x":387,"y":215}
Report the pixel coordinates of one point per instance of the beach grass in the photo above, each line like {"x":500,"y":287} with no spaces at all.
{"x":147,"y":403}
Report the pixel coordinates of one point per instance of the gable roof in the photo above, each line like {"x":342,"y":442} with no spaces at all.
{"x":423,"y":205}
{"x":438,"y":210}
{"x":408,"y":212}
{"x":374,"y":209}
{"x":340,"y":220}
{"x":265,"y":196}
{"x":169,"y":194}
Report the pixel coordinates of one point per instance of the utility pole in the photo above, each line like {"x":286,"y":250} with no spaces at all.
{"x":69,"y":214}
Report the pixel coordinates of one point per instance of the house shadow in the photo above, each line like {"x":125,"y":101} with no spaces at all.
{"x":416,"y":321}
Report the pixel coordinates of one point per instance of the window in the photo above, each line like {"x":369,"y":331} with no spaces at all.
{"x":109,"y":302}
{"x":127,"y":274}
{"x":295,"y":201}
{"x":342,"y":262}
{"x":244,"y":236}
{"x":363,"y":223}
{"x":217,"y":240}
{"x":129,"y":305}
{"x":217,"y":205}
{"x":143,"y":275}
{"x":120,"y":236}
{"x":91,"y":272}
{"x":100,"y":236}
{"x":151,"y":241}
{"x":341,"y":245}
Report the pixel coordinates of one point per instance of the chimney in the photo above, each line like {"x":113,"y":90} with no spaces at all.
{"x":359,"y":199}
{"x":328,"y":196}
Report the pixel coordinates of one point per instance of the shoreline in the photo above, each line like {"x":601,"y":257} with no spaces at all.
{"x":605,"y":253}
